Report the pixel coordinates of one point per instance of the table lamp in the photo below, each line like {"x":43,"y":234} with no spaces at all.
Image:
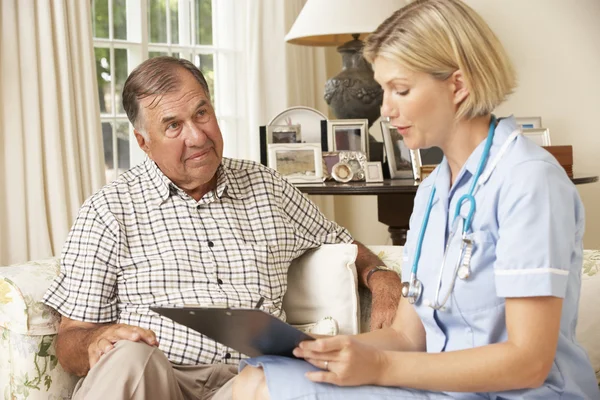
{"x":353,"y":93}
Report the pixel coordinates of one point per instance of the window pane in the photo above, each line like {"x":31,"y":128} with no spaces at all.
{"x":100,"y":18}
{"x":120,"y":76}
{"x":205,"y":63}
{"x":203,"y":22}
{"x":174,"y":21}
{"x":152,"y":54}
{"x":122,"y":146}
{"x":157,"y":21}
{"x":103,"y":78}
{"x":120,"y":19}
{"x":107,"y":140}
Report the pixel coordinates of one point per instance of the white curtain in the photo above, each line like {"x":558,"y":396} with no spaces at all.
{"x":51,"y":155}
{"x":275,"y":75}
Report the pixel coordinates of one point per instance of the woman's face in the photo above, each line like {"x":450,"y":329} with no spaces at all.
{"x":421,"y":107}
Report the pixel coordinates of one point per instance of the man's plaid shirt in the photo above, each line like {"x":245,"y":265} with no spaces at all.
{"x":142,"y":242}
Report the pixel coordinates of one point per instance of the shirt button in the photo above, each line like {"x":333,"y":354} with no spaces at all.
{"x":220,"y":281}
{"x":227,"y":356}
{"x":210,"y":244}
{"x":198,"y":207}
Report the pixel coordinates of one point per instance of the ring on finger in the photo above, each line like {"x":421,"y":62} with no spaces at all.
{"x":326,"y":365}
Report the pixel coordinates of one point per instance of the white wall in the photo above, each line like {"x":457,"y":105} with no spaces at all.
{"x":555,"y":46}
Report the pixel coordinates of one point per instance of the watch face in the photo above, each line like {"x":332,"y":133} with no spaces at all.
{"x":342,"y":172}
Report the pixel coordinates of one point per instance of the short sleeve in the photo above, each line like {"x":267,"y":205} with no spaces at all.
{"x":85,"y":289}
{"x":540,"y":221}
{"x":311,"y":227}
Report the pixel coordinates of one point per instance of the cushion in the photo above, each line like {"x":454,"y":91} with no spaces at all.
{"x":22,"y":288}
{"x":588,"y":323}
{"x":323,"y":283}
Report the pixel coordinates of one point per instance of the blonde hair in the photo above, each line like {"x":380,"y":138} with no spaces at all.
{"x":439,"y":37}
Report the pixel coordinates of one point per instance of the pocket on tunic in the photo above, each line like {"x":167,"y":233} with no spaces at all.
{"x":478,"y":291}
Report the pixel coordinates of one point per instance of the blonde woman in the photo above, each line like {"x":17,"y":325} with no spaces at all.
{"x":493,"y":259}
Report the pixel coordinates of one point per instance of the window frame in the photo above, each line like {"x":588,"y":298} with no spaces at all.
{"x":138,"y":47}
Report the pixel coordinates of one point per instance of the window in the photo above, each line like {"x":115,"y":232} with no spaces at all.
{"x":127,"y":32}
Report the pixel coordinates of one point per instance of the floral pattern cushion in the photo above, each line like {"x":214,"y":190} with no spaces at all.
{"x":30,"y":370}
{"x":21,"y":290}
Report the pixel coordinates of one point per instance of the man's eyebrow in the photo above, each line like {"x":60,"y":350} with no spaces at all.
{"x":169,"y":118}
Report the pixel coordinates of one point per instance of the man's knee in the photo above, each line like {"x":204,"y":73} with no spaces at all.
{"x":135,"y":354}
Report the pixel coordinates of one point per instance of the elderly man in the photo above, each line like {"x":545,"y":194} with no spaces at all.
{"x":185,"y":226}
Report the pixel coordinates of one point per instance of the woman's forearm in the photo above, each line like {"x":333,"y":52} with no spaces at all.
{"x":496,"y":367}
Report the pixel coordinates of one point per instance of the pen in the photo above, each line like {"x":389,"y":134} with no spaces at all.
{"x":260,"y":302}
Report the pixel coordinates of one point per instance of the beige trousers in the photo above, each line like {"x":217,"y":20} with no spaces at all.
{"x":134,"y":370}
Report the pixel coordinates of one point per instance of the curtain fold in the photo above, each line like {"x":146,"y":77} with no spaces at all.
{"x":276,"y":76}
{"x":50,"y":126}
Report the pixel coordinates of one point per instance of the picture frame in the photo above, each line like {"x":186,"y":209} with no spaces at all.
{"x":330,"y":158}
{"x":400,"y":158}
{"x":529,"y":122}
{"x":373,"y":171}
{"x":297,"y":162}
{"x":348,"y":135}
{"x":342,"y":172}
{"x":425,"y":161}
{"x":540,"y":136}
{"x":357,"y":161}
{"x":277,"y":134}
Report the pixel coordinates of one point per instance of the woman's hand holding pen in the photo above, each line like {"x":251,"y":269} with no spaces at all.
{"x":344,"y":361}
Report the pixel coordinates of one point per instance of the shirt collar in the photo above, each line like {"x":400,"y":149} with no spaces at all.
{"x":165,"y":187}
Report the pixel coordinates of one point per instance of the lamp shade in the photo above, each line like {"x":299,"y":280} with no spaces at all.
{"x":333,"y":22}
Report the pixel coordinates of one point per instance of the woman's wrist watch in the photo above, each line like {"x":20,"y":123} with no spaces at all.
{"x":375,"y":269}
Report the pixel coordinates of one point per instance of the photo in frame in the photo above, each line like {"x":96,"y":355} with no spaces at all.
{"x":529,"y":122}
{"x":330,"y":158}
{"x":297,"y":162}
{"x":540,"y":136}
{"x":356,"y":160}
{"x":425,"y":161}
{"x":373,"y":171}
{"x":348,"y":135}
{"x":399,"y":156}
{"x":283,"y":134}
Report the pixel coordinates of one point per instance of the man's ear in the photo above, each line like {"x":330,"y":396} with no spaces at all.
{"x":142,"y":141}
{"x":460,"y":90}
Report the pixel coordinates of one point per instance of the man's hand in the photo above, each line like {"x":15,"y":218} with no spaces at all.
{"x":103,"y":340}
{"x":386,"y":288}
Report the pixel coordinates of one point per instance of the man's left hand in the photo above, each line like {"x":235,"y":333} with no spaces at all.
{"x":386,"y":288}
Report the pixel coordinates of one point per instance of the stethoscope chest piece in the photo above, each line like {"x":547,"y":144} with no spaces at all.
{"x":412,"y":290}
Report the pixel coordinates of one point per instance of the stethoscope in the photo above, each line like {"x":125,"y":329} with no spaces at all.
{"x":413,"y":289}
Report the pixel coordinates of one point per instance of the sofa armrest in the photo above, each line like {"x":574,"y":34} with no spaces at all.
{"x":22,"y":287}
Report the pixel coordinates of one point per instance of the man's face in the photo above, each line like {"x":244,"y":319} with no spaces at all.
{"x":182,"y":135}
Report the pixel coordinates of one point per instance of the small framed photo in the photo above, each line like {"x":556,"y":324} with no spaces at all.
{"x":373,"y":172}
{"x":330,"y":158}
{"x":529,"y":122}
{"x":399,"y":157}
{"x":283,"y":134}
{"x":540,"y":136}
{"x":297,"y":162}
{"x":357,"y":161}
{"x":348,"y":135}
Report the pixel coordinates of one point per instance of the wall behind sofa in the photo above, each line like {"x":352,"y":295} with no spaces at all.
{"x":555,"y":46}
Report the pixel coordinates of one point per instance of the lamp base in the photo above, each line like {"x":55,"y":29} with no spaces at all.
{"x":353,"y":93}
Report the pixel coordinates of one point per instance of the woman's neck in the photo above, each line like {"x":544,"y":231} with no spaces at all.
{"x":465,"y":136}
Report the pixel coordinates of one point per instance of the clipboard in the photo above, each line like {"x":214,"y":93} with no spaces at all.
{"x":250,"y":331}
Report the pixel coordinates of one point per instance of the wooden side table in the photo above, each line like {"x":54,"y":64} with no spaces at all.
{"x":395,"y":199}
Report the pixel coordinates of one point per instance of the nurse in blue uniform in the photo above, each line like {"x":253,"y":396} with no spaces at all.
{"x":493,"y":259}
